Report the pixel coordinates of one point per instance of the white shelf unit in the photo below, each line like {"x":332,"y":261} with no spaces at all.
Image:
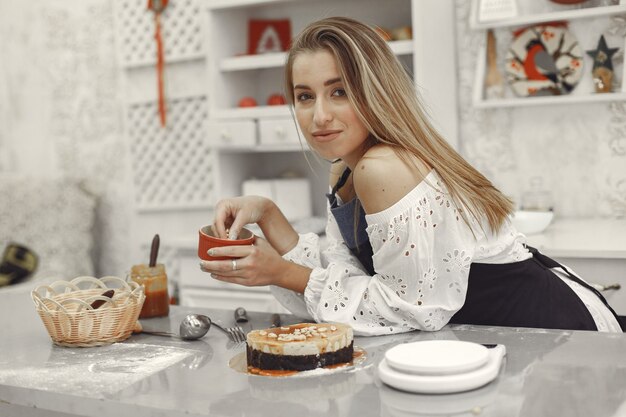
{"x":233,"y":75}
{"x":277,"y":59}
{"x":586,"y":21}
{"x":531,"y":12}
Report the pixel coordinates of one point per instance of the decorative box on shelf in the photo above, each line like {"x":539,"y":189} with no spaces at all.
{"x":578,"y":28}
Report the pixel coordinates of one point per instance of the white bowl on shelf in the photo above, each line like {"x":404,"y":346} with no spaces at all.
{"x":532,"y":222}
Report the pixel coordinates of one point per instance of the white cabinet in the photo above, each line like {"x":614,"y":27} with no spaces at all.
{"x":586,"y":21}
{"x":279,"y":132}
{"x":232,"y":134}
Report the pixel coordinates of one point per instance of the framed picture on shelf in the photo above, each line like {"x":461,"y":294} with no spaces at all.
{"x":265,"y":36}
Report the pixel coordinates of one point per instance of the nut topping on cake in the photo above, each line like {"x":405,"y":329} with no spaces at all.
{"x":300,"y":346}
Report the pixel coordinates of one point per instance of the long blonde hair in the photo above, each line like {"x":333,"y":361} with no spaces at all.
{"x":385,"y":99}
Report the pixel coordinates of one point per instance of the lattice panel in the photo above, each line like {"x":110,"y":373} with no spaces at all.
{"x":180,"y":29}
{"x":172,"y":166}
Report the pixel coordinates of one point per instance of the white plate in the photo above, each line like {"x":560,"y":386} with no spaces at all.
{"x":437,"y":357}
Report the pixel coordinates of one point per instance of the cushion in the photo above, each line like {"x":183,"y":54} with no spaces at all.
{"x":52,"y":217}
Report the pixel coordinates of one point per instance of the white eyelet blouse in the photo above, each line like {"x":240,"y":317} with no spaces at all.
{"x":422,"y":255}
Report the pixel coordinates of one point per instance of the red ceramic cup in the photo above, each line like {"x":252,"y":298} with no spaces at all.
{"x":208,"y":241}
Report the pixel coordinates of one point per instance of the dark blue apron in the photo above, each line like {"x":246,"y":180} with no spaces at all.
{"x":518,"y":294}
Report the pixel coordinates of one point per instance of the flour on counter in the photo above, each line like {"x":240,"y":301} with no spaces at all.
{"x":94,"y":372}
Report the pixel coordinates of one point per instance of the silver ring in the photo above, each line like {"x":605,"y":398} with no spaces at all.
{"x":234,"y":262}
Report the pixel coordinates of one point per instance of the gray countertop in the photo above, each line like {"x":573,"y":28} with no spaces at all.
{"x":546,"y":373}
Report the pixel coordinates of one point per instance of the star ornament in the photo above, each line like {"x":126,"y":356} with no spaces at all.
{"x":602,"y":55}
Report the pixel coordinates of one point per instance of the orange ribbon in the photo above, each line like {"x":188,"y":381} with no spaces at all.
{"x":157,"y":6}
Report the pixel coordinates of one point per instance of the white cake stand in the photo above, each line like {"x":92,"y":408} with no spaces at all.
{"x":440,"y":366}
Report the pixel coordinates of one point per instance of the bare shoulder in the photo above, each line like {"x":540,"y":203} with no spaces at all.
{"x":382,"y":177}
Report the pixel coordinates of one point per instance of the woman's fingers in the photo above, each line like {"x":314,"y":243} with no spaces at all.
{"x":222,"y":212}
{"x":222,"y":267}
{"x":232,"y":279}
{"x":238,"y":223}
{"x":231,"y":271}
{"x":231,"y":251}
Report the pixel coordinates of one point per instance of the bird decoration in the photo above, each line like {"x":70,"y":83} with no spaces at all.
{"x":539,"y":64}
{"x":602,"y":70}
{"x":544,"y":60}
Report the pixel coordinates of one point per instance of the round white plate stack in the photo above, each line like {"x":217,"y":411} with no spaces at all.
{"x":440,"y":366}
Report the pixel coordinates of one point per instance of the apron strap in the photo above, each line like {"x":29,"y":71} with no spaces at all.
{"x":342,"y":180}
{"x":551,"y":263}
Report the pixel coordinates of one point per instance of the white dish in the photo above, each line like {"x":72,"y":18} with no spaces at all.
{"x":532,"y":222}
{"x":443,"y":383}
{"x":437,"y":357}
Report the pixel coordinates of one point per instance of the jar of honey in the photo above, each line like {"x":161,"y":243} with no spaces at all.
{"x":154,"y":281}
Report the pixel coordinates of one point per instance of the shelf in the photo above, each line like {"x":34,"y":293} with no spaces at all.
{"x":230,"y":4}
{"x":253,"y":62}
{"x":402,"y":47}
{"x":277,"y":60}
{"x":150,"y":62}
{"x":296,"y":147}
{"x":546,"y":100}
{"x":547,"y":17}
{"x":576,"y":97}
{"x":252,"y":112}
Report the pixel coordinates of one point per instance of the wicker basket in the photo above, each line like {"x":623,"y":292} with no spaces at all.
{"x":66,"y":311}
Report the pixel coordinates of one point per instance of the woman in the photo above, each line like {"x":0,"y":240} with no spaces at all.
{"x":417,"y":238}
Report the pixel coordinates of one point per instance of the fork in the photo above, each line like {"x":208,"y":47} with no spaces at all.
{"x":235,"y":333}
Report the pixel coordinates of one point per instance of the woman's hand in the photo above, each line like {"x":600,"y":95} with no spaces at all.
{"x":256,"y":265}
{"x":235,"y":213}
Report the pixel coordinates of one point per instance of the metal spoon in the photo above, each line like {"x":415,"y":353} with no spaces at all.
{"x":194,"y":326}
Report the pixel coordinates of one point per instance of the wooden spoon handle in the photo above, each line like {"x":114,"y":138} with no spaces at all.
{"x":154,"y":251}
{"x":96,"y":304}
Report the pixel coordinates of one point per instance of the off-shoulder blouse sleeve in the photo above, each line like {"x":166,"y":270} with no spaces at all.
{"x":315,"y":252}
{"x":422,"y":255}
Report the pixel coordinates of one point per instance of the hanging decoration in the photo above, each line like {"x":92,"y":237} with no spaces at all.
{"x":157,"y":6}
{"x":602,"y":70}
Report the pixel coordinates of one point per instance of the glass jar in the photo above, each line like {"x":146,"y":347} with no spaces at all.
{"x":537,"y":198}
{"x":154,"y":281}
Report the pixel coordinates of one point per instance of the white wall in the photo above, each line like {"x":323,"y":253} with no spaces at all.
{"x":60,"y":112}
{"x":579,"y":150}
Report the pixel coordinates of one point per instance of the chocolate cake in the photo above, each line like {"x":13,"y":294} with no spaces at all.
{"x":300,"y":347}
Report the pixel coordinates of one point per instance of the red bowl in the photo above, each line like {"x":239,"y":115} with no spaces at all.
{"x":208,"y":240}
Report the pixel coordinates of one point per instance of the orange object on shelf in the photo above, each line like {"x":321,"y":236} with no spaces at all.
{"x":276,"y":100}
{"x":247,"y":102}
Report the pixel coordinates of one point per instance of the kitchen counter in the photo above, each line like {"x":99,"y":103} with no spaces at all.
{"x":583,"y":238}
{"x":546,"y":373}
